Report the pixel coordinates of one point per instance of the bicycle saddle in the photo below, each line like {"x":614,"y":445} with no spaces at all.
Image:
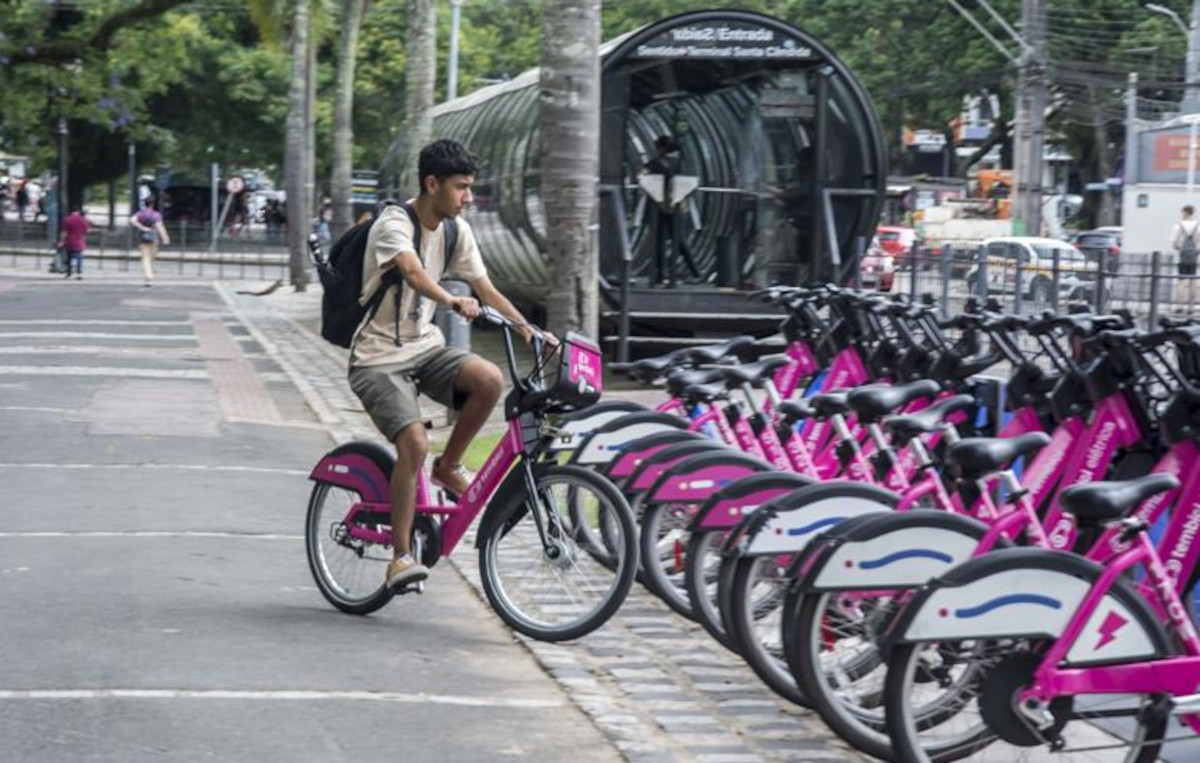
{"x":714,"y":352}
{"x":874,"y":402}
{"x":791,"y":411}
{"x":975,"y":457}
{"x":654,"y":367}
{"x":681,"y":380}
{"x":911,"y":425}
{"x":754,"y":373}
{"x":830,"y":403}
{"x":1097,"y":502}
{"x":705,"y":393}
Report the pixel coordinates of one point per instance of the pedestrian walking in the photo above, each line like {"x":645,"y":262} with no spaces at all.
{"x":73,"y":241}
{"x":1185,"y":244}
{"x":151,"y":232}
{"x":22,"y":200}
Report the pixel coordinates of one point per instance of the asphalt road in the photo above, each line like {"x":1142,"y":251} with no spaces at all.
{"x":155,"y":601}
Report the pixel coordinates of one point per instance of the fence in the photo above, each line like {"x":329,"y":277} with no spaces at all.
{"x":1147,"y":285}
{"x":253,"y":254}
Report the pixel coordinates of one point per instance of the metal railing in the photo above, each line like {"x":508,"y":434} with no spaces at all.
{"x":255,"y":253}
{"x":1147,"y":284}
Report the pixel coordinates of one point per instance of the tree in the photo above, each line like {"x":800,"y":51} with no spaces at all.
{"x":420,"y":75}
{"x":343,"y":116}
{"x":294,"y":172}
{"x":569,"y":157}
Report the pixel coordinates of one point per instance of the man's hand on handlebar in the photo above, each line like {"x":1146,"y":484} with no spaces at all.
{"x":467,"y":307}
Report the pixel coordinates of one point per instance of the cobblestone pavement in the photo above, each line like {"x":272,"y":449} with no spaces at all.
{"x":654,"y":682}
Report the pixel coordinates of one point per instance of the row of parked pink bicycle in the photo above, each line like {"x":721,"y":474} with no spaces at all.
{"x":972,"y":538}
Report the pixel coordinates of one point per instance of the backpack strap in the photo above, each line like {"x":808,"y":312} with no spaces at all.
{"x":450,"y":242}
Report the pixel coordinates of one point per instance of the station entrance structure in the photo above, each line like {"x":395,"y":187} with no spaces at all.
{"x":780,"y":141}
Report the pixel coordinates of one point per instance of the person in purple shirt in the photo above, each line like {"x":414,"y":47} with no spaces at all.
{"x":149,"y":225}
{"x":73,"y":240}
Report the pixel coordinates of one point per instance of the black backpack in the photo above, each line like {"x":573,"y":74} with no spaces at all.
{"x":342,"y":278}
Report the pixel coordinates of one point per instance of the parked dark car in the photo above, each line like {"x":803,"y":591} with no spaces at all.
{"x":1102,"y":245}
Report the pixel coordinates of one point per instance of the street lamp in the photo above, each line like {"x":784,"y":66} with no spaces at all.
{"x":1191,"y":98}
{"x":1156,"y":8}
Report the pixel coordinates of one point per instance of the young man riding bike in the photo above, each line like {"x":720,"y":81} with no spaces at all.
{"x":396,"y":355}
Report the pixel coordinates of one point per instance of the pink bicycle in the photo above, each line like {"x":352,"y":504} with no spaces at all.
{"x":557,"y":543}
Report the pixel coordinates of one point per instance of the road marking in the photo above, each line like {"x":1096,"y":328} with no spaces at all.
{"x":146,"y":352}
{"x":147,"y":534}
{"x":92,"y":335}
{"x":88,"y":322}
{"x":137,"y":373}
{"x":184,"y":467}
{"x":286,"y":695}
{"x":35,"y":409}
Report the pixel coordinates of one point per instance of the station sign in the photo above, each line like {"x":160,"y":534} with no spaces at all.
{"x":725,"y":39}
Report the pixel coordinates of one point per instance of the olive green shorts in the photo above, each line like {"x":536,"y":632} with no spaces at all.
{"x":389,"y":392}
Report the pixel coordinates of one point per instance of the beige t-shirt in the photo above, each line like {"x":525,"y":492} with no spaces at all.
{"x":392,"y":233}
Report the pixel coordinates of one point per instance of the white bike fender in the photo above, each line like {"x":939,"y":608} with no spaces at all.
{"x":790,"y":531}
{"x":905,"y":557}
{"x":603,"y":447}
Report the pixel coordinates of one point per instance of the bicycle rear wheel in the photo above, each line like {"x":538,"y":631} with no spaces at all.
{"x":349,"y":572}
{"x":560,"y":590}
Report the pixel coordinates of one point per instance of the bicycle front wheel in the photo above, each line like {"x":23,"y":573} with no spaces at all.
{"x":559,"y":589}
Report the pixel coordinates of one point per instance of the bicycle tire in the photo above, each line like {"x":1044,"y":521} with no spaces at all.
{"x":665,"y":585}
{"x":703,"y":549}
{"x":516,"y":513}
{"x":334,"y":591}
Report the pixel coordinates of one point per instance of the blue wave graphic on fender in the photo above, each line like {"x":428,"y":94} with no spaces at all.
{"x":806,"y":529}
{"x":915,"y":553}
{"x":1003,"y":601}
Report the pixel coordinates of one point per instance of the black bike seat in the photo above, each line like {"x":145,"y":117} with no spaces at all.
{"x":791,"y":411}
{"x":1097,"y":502}
{"x":681,"y":380}
{"x":827,"y":404}
{"x":754,"y":373}
{"x":911,"y":425}
{"x":873,"y":403}
{"x":976,"y":457}
{"x":652,"y":368}
{"x":705,"y":393}
{"x":714,"y":352}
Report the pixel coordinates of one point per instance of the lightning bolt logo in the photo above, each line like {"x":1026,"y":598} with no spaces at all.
{"x":1109,"y":628}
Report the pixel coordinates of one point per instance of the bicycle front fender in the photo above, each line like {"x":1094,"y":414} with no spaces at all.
{"x":507,"y":504}
{"x":895,"y":550}
{"x":1030,"y":593}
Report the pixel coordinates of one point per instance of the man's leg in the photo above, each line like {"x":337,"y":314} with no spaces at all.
{"x":411,"y":448}
{"x":481,"y":383}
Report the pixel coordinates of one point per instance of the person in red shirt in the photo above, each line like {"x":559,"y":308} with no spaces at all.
{"x":73,"y":241}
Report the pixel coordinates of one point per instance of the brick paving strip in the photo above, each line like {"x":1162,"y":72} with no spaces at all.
{"x":655,"y":683}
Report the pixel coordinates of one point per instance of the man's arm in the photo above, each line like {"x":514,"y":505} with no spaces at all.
{"x":489,"y":295}
{"x":409,"y":266}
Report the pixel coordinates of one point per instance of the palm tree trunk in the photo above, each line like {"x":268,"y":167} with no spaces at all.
{"x":569,"y":155}
{"x":420,"y":73}
{"x":343,"y":122}
{"x":294,"y":148}
{"x":310,"y":133}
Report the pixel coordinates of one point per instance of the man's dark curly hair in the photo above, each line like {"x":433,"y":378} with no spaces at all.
{"x":444,"y":158}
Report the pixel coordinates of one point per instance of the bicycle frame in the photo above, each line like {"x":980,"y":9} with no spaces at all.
{"x":355,"y":472}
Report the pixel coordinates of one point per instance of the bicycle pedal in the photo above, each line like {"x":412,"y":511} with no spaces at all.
{"x":417,"y":587}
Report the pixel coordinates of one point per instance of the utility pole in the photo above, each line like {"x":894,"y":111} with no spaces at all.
{"x":1030,"y":120}
{"x":452,"y":65}
{"x":1191,"y":97}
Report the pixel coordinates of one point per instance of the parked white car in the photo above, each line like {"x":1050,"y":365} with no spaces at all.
{"x":1035,"y":257}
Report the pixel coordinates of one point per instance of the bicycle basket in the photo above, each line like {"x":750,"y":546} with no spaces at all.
{"x":580,"y":377}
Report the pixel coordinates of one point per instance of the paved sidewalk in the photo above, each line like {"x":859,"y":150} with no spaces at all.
{"x":654,"y":682}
